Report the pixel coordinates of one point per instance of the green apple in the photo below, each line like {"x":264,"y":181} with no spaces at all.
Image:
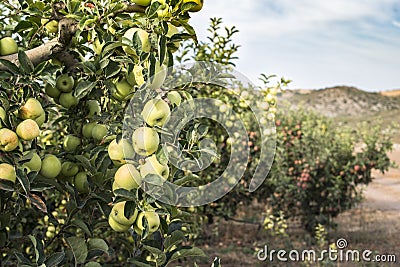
{"x":175,"y":98}
{"x":152,"y":218}
{"x":93,"y":107}
{"x":120,"y":151}
{"x":97,"y":46}
{"x":28,"y":130}
{"x":197,"y":7}
{"x":40,"y":120}
{"x":163,"y":9}
{"x":141,"y":2}
{"x":67,"y":100}
{"x":81,"y":183}
{"x":71,"y":143}
{"x":51,"y":166}
{"x":127,"y":177}
{"x":123,"y":89}
{"x":32,"y":109}
{"x":52,"y":26}
{"x":87,"y":129}
{"x":3,"y":115}
{"x":8,"y":46}
{"x":52,"y":91}
{"x":7,"y":172}
{"x":34,"y":165}
{"x":145,"y":141}
{"x":159,"y":76}
{"x":99,"y":132}
{"x":144,"y":39}
{"x":69,"y":169}
{"x":153,"y":166}
{"x":65,"y":83}
{"x":116,"y":226}
{"x":118,"y":215}
{"x":8,"y":140}
{"x":156,"y":112}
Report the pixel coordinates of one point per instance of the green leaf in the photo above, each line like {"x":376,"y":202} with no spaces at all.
{"x":55,"y":259}
{"x":97,"y":244}
{"x":138,"y":263}
{"x":38,"y":202}
{"x":160,"y":257}
{"x":162,"y":48}
{"x":175,"y":238}
{"x":110,"y":47}
{"x":82,"y":225}
{"x":38,"y":245}
{"x":86,"y":163}
{"x":23,"y":180}
{"x":25,"y":63}
{"x":79,"y":248}
{"x":92,"y":264}
{"x":10,"y":66}
{"x":152,"y":10}
{"x":186,"y":252}
{"x":125,"y":194}
{"x":22,"y":260}
{"x":83,"y":88}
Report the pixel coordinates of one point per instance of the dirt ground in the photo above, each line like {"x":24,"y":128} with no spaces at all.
{"x":373,"y":225}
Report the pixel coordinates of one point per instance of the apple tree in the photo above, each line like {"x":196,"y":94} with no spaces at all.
{"x":69,"y":188}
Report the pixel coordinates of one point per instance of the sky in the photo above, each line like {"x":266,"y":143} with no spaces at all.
{"x":314,"y":43}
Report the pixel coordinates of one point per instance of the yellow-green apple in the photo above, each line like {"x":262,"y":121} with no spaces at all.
{"x":139,"y":77}
{"x":71,"y":143}
{"x":8,"y":140}
{"x":87,"y":129}
{"x":145,"y":141}
{"x":153,"y":166}
{"x":175,"y":98}
{"x":94,"y":108}
{"x":123,"y":89}
{"x":116,"y":226}
{"x":141,"y":2}
{"x":8,"y":46}
{"x":51,"y":26}
{"x":81,"y":183}
{"x":127,"y":177}
{"x":67,"y":100}
{"x":52,"y":91}
{"x":40,"y":120}
{"x":51,"y":166}
{"x":99,"y":131}
{"x":65,"y":83}
{"x":144,"y":39}
{"x":118,"y":215}
{"x":197,"y":7}
{"x":69,"y":169}
{"x":34,"y":164}
{"x":156,"y":112}
{"x":120,"y":151}
{"x":7,"y":172}
{"x":3,"y":115}
{"x":32,"y":109}
{"x":152,"y":218}
{"x":28,"y":130}
{"x":163,"y":9}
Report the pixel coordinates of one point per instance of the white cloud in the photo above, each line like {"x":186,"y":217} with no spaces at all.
{"x":313,"y":42}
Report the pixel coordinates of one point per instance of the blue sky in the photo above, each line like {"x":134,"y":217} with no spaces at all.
{"x":315,"y":43}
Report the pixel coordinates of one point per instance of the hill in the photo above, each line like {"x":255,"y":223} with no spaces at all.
{"x":342,"y":101}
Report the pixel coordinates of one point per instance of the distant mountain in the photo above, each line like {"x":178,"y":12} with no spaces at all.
{"x":342,"y":101}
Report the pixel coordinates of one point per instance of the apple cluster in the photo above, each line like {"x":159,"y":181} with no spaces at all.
{"x":31,"y":117}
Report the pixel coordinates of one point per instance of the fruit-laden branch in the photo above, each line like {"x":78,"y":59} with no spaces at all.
{"x":56,"y":48}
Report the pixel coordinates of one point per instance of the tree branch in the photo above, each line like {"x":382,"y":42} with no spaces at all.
{"x":129,"y":8}
{"x":54,"y":47}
